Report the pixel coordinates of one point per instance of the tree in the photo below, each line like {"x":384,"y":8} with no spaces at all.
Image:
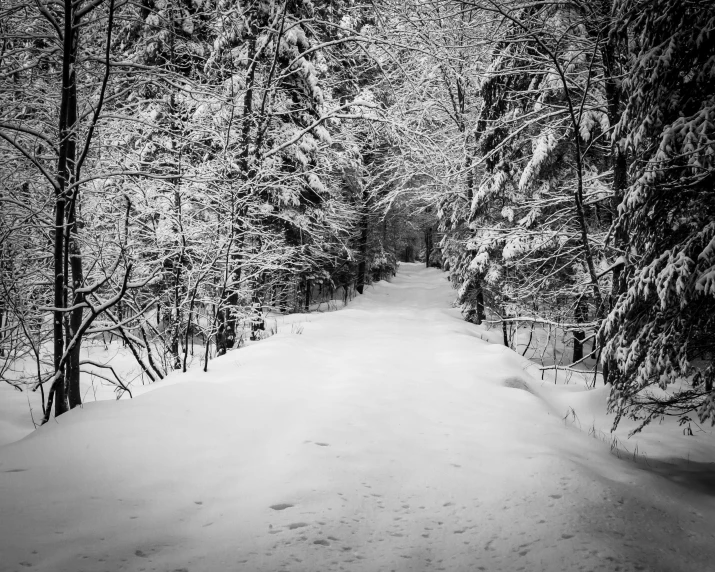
{"x":659,"y":333}
{"x":57,"y":72}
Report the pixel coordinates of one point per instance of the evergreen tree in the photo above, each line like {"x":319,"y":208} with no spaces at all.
{"x":659,"y":334}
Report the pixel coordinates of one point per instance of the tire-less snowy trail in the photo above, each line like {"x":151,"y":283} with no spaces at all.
{"x":387,"y":436}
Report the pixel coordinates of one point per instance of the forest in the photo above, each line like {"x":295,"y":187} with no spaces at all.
{"x":357,"y":286}
{"x":172,"y":172}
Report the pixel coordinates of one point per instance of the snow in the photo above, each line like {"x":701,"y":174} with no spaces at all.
{"x":20,"y":411}
{"x":15,"y":413}
{"x":389,"y":435}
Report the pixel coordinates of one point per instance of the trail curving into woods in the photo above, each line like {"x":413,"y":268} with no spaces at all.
{"x":387,"y":436}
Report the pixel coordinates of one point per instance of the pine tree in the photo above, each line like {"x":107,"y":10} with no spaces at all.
{"x":659,"y":334}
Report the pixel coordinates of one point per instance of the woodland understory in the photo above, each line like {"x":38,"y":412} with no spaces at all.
{"x":173,"y":171}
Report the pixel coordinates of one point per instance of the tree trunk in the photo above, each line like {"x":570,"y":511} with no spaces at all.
{"x":65,"y":172}
{"x":174,"y":337}
{"x":257,"y":322}
{"x":579,"y":336}
{"x":229,"y":315}
{"x":175,"y":325}
{"x":470,"y":175}
{"x":221,"y":345}
{"x":3,"y":324}
{"x":246,"y":172}
{"x":362,"y":265}
{"x":428,"y":246}
{"x":307,"y":294}
{"x":74,"y":396}
{"x":188,"y":328}
{"x":480,"y":304}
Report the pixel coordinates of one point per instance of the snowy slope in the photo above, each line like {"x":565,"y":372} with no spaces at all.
{"x":385,"y":436}
{"x":21,"y":411}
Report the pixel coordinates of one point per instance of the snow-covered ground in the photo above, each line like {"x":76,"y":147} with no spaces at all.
{"x":21,"y":411}
{"x":387,"y":436}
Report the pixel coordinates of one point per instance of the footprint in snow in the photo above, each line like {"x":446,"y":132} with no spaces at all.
{"x":322,"y":444}
{"x":295,"y":525}
{"x":281,"y":506}
{"x":322,"y":542}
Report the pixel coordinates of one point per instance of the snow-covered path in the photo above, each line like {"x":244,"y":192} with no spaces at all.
{"x":386,"y":436}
